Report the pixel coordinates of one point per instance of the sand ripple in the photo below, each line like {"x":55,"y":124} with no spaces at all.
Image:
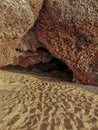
{"x":30,"y":102}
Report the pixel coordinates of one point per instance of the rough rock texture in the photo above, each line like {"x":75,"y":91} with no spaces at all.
{"x":31,"y":51}
{"x":69,"y":30}
{"x":16,"y":18}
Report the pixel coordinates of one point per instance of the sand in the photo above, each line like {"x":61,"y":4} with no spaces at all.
{"x":34,"y":101}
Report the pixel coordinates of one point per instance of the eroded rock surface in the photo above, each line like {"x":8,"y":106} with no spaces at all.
{"x":69,"y":30}
{"x":31,"y":51}
{"x":16,"y":18}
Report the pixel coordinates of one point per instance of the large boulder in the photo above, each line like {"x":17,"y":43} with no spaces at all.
{"x":16,"y":18}
{"x":69,"y":30}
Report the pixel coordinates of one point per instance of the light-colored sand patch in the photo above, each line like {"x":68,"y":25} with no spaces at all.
{"x":32,"y":102}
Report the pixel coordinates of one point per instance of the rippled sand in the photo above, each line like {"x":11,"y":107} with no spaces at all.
{"x":37,"y":102}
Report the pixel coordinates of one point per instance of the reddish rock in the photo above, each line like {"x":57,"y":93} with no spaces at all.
{"x":69,"y":30}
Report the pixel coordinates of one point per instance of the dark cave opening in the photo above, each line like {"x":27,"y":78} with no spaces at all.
{"x":42,"y":49}
{"x":54,"y":68}
{"x":54,"y":65}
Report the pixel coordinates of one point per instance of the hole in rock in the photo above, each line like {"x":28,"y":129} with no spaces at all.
{"x":42,"y":49}
{"x":54,"y":68}
{"x":18,"y":49}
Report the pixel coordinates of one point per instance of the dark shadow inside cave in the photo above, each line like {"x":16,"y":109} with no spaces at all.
{"x":42,"y":49}
{"x":54,"y":65}
{"x":54,"y":68}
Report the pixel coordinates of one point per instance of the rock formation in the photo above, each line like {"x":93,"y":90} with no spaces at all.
{"x":69,"y":30}
{"x":16,"y":18}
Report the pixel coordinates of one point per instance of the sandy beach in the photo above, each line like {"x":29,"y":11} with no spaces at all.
{"x":31,"y":101}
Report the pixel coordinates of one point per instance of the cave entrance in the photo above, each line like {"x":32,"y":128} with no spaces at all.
{"x":54,"y":68}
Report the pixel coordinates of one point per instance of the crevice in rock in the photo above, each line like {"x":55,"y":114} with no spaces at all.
{"x":42,"y":49}
{"x":18,"y":50}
